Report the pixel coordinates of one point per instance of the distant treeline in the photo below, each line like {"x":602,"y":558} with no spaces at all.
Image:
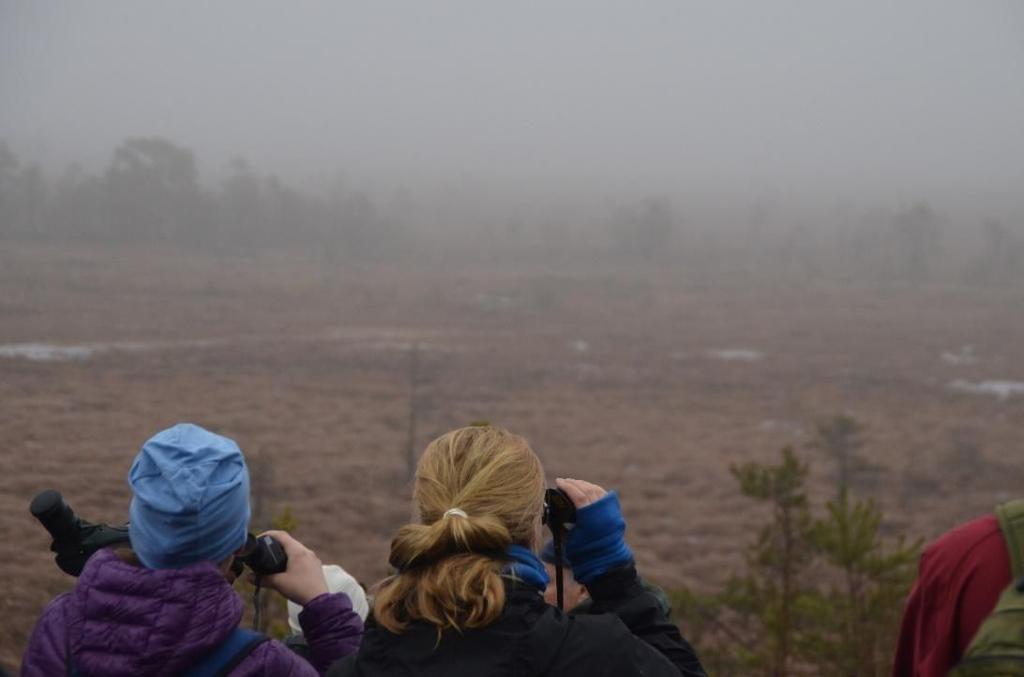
{"x":151,"y":193}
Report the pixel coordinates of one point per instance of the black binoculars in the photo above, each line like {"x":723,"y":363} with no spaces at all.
{"x":262,"y":554}
{"x":559,"y":510}
{"x":559,"y":515}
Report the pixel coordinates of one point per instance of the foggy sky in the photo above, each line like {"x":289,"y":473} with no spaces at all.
{"x":916,"y":98}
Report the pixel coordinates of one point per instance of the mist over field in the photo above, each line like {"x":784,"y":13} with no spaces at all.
{"x":737,"y":117}
{"x":658,"y":239}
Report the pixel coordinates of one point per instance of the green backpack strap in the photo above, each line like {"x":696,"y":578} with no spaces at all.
{"x":1011,"y":522}
{"x":997,"y":649}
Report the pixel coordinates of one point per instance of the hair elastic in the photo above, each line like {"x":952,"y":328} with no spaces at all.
{"x":454,"y":511}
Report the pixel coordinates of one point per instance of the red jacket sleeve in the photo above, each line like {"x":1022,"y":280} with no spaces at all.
{"x":960,"y":578}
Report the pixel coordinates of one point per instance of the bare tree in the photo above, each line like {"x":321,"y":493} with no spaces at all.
{"x":153,"y":190}
{"x":917,"y":239}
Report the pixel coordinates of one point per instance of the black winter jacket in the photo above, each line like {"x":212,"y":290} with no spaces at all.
{"x":626,"y":634}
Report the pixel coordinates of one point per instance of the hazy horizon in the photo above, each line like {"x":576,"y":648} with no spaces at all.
{"x":917,"y":101}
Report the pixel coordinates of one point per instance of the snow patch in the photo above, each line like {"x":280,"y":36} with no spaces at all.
{"x":492,"y":302}
{"x":773,"y":424}
{"x":736,"y":354}
{"x":52,"y":352}
{"x":579,"y":346}
{"x":1003,"y":390}
{"x":372,"y":339}
{"x":964,"y":357}
{"x":46,"y":352}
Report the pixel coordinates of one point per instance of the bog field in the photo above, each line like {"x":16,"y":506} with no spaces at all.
{"x":639,"y":378}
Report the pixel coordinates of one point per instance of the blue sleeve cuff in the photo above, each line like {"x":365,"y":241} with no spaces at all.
{"x":597,"y":543}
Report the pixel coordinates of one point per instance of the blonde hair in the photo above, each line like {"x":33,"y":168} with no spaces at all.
{"x":478,"y":490}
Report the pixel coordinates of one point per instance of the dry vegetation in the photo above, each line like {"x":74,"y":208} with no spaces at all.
{"x":606,"y":371}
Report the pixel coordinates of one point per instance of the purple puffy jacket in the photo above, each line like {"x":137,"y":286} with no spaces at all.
{"x":124,"y":619}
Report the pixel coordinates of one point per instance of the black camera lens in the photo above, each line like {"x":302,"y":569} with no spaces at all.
{"x":74,"y":540}
{"x":55,"y":515}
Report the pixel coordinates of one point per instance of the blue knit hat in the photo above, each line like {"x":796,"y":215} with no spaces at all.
{"x":191,"y":498}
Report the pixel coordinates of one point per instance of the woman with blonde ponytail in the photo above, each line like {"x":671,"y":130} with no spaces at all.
{"x":467,"y":598}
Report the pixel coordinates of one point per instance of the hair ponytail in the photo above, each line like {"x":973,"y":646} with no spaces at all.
{"x":450,"y":535}
{"x":478,"y":491}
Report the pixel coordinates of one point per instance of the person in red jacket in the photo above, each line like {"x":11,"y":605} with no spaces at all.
{"x":960,"y":578}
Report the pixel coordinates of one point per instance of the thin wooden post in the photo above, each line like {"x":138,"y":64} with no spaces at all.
{"x":410,"y":456}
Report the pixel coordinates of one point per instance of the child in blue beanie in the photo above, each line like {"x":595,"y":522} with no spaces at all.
{"x":167,"y":605}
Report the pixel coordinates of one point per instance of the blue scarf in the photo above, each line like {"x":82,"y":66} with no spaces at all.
{"x":525,"y":566}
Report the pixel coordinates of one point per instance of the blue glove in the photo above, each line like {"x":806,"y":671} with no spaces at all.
{"x":596,"y":544}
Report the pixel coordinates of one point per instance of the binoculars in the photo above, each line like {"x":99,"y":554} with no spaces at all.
{"x":559,"y":516}
{"x":559,"y":510}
